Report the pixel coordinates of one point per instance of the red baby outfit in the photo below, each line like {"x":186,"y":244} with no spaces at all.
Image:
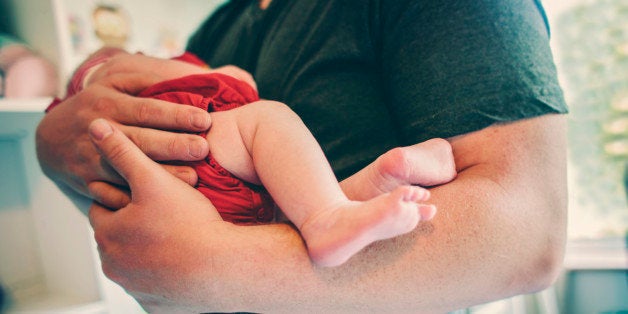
{"x":237,"y":201}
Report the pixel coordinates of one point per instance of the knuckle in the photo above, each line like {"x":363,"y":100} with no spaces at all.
{"x":108,"y":271}
{"x":141,"y":139}
{"x":144,"y":112}
{"x":110,"y":258}
{"x":117,"y":153}
{"x":181,"y":115}
{"x":173,"y":145}
{"x":111,"y":272}
{"x":102,"y":104}
{"x":195,"y":147}
{"x":100,"y":238}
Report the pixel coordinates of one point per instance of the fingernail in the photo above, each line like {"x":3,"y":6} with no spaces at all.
{"x":200,"y":121}
{"x":196,"y":149}
{"x":100,"y":129}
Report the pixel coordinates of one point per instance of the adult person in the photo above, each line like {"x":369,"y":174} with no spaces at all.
{"x":479,"y":73}
{"x":246,"y":177}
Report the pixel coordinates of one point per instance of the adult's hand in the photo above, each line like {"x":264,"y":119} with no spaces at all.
{"x":161,"y":252}
{"x":123,"y":62}
{"x":163,"y":235}
{"x":135,"y":242}
{"x":67,"y":155}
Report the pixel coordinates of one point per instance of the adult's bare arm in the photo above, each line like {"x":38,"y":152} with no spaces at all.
{"x":500,"y":231}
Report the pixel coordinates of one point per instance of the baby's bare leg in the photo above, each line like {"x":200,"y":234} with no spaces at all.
{"x":429,"y":163}
{"x":282,"y":154}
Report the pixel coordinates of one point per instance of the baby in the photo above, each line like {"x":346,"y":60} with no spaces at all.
{"x":257,"y":144}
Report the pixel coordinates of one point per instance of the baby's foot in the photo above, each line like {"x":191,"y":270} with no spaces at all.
{"x":333,"y":236}
{"x":428,"y":163}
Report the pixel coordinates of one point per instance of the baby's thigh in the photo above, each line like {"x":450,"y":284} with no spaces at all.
{"x":227,"y":147}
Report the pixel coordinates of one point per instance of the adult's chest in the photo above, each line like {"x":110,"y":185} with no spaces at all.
{"x":321,"y":59}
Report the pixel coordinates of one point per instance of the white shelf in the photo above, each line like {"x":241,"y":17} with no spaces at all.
{"x":58,"y":304}
{"x":35,"y":105}
{"x":46,"y":260}
{"x":596,"y":254}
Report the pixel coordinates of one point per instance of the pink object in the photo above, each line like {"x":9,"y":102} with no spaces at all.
{"x":26,"y":74}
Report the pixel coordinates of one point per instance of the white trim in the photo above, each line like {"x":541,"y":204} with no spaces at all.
{"x":37,"y":105}
{"x":596,"y":254}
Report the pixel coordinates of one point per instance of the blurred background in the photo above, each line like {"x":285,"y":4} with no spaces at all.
{"x":47,"y":259}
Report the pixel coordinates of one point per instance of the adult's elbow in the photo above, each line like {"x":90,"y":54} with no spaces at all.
{"x":546,"y":261}
{"x":547,"y":268}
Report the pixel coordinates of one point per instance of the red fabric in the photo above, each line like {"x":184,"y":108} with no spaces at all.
{"x":237,"y":201}
{"x":191,"y":58}
{"x":75,"y":84}
{"x":55,"y":102}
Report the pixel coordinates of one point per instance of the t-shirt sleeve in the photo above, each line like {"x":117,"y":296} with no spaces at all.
{"x":452,"y":67}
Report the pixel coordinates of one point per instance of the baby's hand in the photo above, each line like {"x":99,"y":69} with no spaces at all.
{"x":426,"y":164}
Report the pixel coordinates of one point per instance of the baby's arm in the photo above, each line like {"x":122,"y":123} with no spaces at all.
{"x":426,"y":164}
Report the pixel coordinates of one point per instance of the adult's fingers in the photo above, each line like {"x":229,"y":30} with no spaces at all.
{"x":165,"y":69}
{"x":110,"y":196}
{"x":184,"y":173}
{"x":130,"y":82}
{"x":98,"y":215}
{"x":145,"y":112}
{"x":115,"y":196}
{"x":126,"y":158}
{"x":164,"y":146}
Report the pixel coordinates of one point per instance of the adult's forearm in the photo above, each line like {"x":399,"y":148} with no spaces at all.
{"x":499,"y":232}
{"x":474,"y":251}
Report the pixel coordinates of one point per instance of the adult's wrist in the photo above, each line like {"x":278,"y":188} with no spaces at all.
{"x":82,"y":74}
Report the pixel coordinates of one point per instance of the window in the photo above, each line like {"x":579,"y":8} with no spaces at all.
{"x":590,"y":41}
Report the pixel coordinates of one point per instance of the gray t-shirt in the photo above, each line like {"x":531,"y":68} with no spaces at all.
{"x":366,"y":76}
